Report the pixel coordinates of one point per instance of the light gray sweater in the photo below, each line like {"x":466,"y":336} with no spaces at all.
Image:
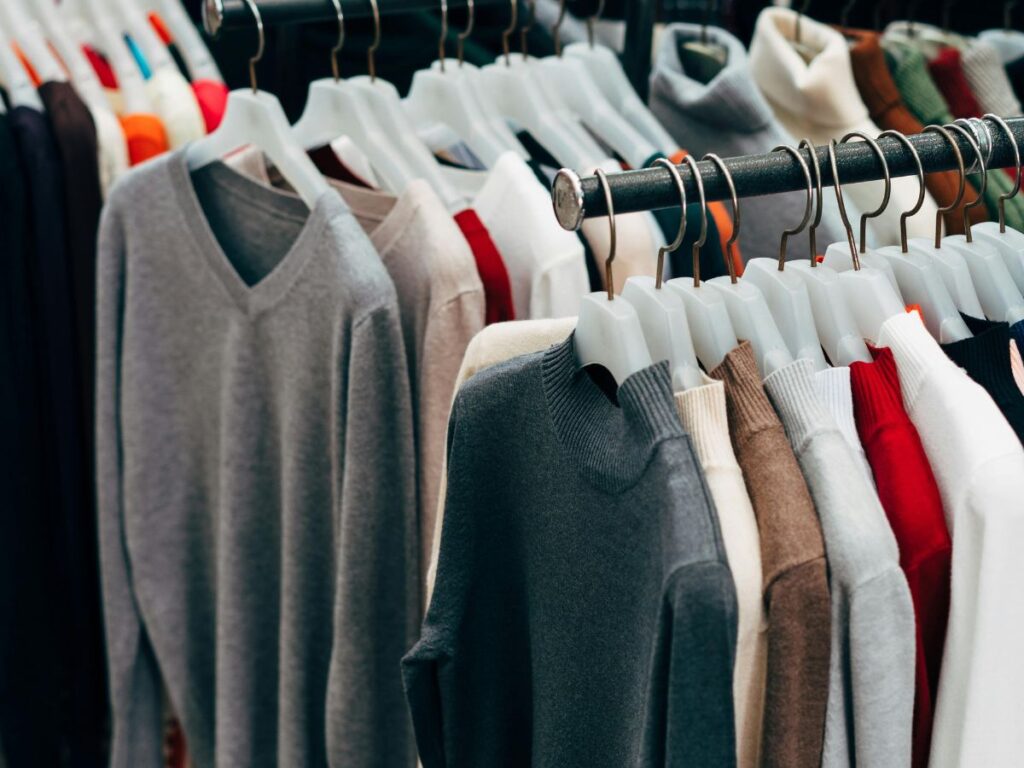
{"x":255,"y":474}
{"x":729,"y":116}
{"x":871,"y":686}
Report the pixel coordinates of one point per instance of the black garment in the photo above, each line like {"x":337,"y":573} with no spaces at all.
{"x":1015,"y":71}
{"x":986,"y":358}
{"x":78,"y":152}
{"x":40,"y":718}
{"x":584,"y":614}
{"x":179,"y":60}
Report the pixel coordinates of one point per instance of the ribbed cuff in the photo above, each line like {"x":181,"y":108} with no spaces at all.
{"x":915,"y":352}
{"x":748,"y":407}
{"x":795,"y":396}
{"x":703,"y":413}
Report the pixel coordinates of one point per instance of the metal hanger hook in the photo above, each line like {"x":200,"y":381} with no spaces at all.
{"x":371,"y":52}
{"x":984,"y":178}
{"x":1008,"y":7}
{"x":255,"y":59}
{"x":730,"y":259}
{"x":681,"y":234}
{"x":844,"y":15}
{"x":799,"y":16}
{"x":710,"y":7}
{"x":807,"y":209}
{"x":947,"y":8}
{"x":880,"y":6}
{"x":602,"y":179}
{"x":963,"y":178}
{"x":556,"y":30}
{"x":842,"y":205}
{"x":812,"y":231}
{"x":888,"y":185}
{"x":464,"y":34}
{"x":1016,"y":161}
{"x":699,"y":243}
{"x":341,"y":40}
{"x":524,"y":31}
{"x":444,"y":33}
{"x":507,"y":32}
{"x":920,"y":179}
{"x":592,"y":20}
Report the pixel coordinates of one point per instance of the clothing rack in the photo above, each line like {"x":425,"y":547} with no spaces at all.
{"x":577,"y":198}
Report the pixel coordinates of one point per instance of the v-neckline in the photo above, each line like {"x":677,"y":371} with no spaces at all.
{"x":250,"y":299}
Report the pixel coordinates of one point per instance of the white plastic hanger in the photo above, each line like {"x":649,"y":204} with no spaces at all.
{"x":785,"y":293}
{"x":134,"y":23}
{"x":20,"y":90}
{"x":919,"y":282}
{"x":130,"y":85}
{"x":382,"y":101}
{"x":198,"y":59}
{"x":82,"y":74}
{"x":571,"y":79}
{"x":662,"y":313}
{"x":1008,"y":241}
{"x":837,"y":330}
{"x":608,"y":331}
{"x":869,"y":294}
{"x":706,"y":314}
{"x":24,"y":30}
{"x":334,"y":109}
{"x":255,"y":117}
{"x":445,"y":95}
{"x":749,"y":316}
{"x":1000,"y":298}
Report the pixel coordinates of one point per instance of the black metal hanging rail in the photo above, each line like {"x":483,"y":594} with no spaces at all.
{"x":236,"y":14}
{"x":577,"y":198}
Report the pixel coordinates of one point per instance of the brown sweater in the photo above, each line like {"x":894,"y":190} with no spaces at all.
{"x":796,"y":592}
{"x":885,"y":104}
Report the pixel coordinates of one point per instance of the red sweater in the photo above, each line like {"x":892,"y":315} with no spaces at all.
{"x":910,"y":497}
{"x":493,"y":274}
{"x":948,"y":73}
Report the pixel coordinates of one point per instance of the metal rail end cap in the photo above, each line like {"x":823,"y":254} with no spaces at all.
{"x":567,"y":198}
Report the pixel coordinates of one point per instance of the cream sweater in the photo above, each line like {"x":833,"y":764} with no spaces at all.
{"x":703,"y":413}
{"x":979,"y":466}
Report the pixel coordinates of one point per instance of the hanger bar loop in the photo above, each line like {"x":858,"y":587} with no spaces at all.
{"x":219,"y":15}
{"x":577,"y":198}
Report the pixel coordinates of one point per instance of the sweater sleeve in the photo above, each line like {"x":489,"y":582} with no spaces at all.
{"x":882,"y":669}
{"x":689,"y":719}
{"x":978,"y":712}
{"x":132,"y":671}
{"x":376,"y":607}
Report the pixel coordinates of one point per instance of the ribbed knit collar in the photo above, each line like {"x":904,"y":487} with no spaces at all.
{"x":834,"y":389}
{"x":610,"y":446}
{"x":748,"y":408}
{"x":793,"y":392}
{"x":876,"y":390}
{"x":822,"y":92}
{"x":986,"y":358}
{"x":918,"y":356}
{"x":703,"y":413}
{"x":1008,"y":42}
{"x":730,"y":100}
{"x":874,"y":80}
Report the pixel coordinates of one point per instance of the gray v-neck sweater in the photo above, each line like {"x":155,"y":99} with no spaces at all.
{"x":729,"y":116}
{"x":871,"y":687}
{"x":584,"y":613}
{"x":257,"y":501}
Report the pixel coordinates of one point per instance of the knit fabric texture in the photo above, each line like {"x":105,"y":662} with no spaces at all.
{"x":912,"y":503}
{"x":948,"y":73}
{"x":796,"y":594}
{"x":490,"y":266}
{"x":984,"y":71}
{"x":584,"y":612}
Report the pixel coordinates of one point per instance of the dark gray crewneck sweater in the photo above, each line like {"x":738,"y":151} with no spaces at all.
{"x":257,"y":503}
{"x":584,"y":612}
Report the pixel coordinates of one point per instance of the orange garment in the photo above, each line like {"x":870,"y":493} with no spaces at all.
{"x":723,"y":220}
{"x":157,"y":22}
{"x":32,"y":74}
{"x":145,"y":136}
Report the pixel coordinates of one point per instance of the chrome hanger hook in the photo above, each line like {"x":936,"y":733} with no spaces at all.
{"x":842,"y":205}
{"x":464,"y":35}
{"x":730,"y":245}
{"x":812,"y":232}
{"x":556,"y":30}
{"x":681,"y":234}
{"x":444,"y":33}
{"x":984,"y":178}
{"x":255,"y":59}
{"x":963,"y":178}
{"x":888,"y":185}
{"x":1016,"y":161}
{"x":920,"y":179}
{"x":507,"y":32}
{"x":371,"y":52}
{"x":592,"y":20}
{"x":807,"y":209}
{"x":524,"y":31}
{"x":341,"y":40}
{"x":699,"y":243}
{"x":602,"y":179}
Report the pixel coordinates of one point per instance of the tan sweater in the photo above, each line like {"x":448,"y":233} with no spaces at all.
{"x":703,"y":413}
{"x":794,"y":570}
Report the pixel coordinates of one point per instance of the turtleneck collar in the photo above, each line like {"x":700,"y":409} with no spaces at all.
{"x":877,"y":88}
{"x":730,"y":100}
{"x":610,"y":446}
{"x":822,"y":92}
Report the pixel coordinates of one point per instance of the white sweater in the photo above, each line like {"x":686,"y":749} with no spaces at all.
{"x":979,"y":466}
